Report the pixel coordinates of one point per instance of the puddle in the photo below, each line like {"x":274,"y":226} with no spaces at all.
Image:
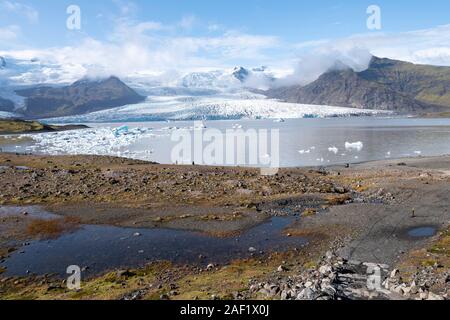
{"x":102,"y":248}
{"x":29,"y":212}
{"x":422,"y":232}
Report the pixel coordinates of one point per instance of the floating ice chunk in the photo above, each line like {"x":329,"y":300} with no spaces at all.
{"x":304,"y":151}
{"x":279,"y":120}
{"x":418,"y":152}
{"x":351,"y":146}
{"x":120,"y":131}
{"x":320,"y":159}
{"x":333,"y":149}
{"x":237,"y":126}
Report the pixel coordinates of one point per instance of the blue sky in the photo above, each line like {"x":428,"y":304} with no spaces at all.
{"x":183,"y":34}
{"x":291,"y":20}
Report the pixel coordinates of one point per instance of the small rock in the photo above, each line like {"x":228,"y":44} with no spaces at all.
{"x":435,"y":297}
{"x":306,"y":294}
{"x":423,"y":295}
{"x":285,"y":295}
{"x":325,"y":269}
{"x":394,"y":273}
{"x":251,"y":249}
{"x":282,"y":269}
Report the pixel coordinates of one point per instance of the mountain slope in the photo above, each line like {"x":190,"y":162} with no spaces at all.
{"x":6,"y":105}
{"x":385,"y":85}
{"x":428,"y":84}
{"x":81,"y":97}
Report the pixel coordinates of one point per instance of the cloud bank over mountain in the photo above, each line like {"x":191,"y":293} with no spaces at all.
{"x":134,"y":45}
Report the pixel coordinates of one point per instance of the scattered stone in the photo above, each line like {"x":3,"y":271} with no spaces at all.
{"x":282,"y":269}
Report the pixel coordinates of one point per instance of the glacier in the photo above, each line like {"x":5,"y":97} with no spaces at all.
{"x":209,"y":95}
{"x":183,"y":108}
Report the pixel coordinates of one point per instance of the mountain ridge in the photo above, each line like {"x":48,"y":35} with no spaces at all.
{"x":82,"y":96}
{"x":385,"y":85}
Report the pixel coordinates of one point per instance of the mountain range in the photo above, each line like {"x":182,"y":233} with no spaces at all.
{"x":81,"y":97}
{"x":385,"y":85}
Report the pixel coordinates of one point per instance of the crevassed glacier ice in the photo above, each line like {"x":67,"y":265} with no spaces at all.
{"x":215,"y":108}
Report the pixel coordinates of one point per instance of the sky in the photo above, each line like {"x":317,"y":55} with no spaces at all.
{"x":159,"y":37}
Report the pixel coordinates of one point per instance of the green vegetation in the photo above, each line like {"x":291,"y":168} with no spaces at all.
{"x":22,"y":126}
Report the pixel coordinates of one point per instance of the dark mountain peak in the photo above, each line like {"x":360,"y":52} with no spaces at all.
{"x":386,"y":84}
{"x":83,"y":96}
{"x":260,"y":69}
{"x":2,"y":62}
{"x":90,"y":81}
{"x":240,"y":73}
{"x":377,"y":62}
{"x":338,"y":65}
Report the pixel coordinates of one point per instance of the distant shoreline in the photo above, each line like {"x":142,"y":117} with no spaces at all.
{"x":15,"y":126}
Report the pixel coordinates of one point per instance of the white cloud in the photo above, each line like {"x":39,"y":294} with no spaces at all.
{"x":430,"y":46}
{"x":151,"y":47}
{"x":9,"y":33}
{"x":427,"y":46}
{"x":17,"y":8}
{"x":126,"y":8}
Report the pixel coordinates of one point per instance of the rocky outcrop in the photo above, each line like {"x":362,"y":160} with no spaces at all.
{"x":2,"y":63}
{"x":241,"y":73}
{"x":21,"y":126}
{"x":385,"y":85}
{"x":81,"y":97}
{"x":338,"y":279}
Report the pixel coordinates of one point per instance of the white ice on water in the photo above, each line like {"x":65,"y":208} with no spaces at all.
{"x":354,"y":146}
{"x":335,"y":150}
{"x":96,"y":141}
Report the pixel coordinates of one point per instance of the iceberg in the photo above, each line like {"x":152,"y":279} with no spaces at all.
{"x":333,"y":149}
{"x":354,"y":146}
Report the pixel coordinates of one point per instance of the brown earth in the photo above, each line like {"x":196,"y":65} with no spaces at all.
{"x":364,"y":212}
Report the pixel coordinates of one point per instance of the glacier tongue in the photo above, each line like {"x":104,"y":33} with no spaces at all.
{"x":215,"y":108}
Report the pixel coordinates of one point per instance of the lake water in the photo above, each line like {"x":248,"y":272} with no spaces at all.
{"x":103,"y":248}
{"x":302,"y":142}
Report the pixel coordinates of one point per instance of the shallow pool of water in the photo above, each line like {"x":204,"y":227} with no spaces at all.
{"x":422,"y":232}
{"x":102,"y":248}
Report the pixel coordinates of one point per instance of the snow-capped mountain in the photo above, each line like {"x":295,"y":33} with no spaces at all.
{"x":215,"y":94}
{"x":238,"y":77}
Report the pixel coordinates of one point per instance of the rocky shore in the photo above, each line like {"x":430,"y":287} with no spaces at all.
{"x":338,"y":279}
